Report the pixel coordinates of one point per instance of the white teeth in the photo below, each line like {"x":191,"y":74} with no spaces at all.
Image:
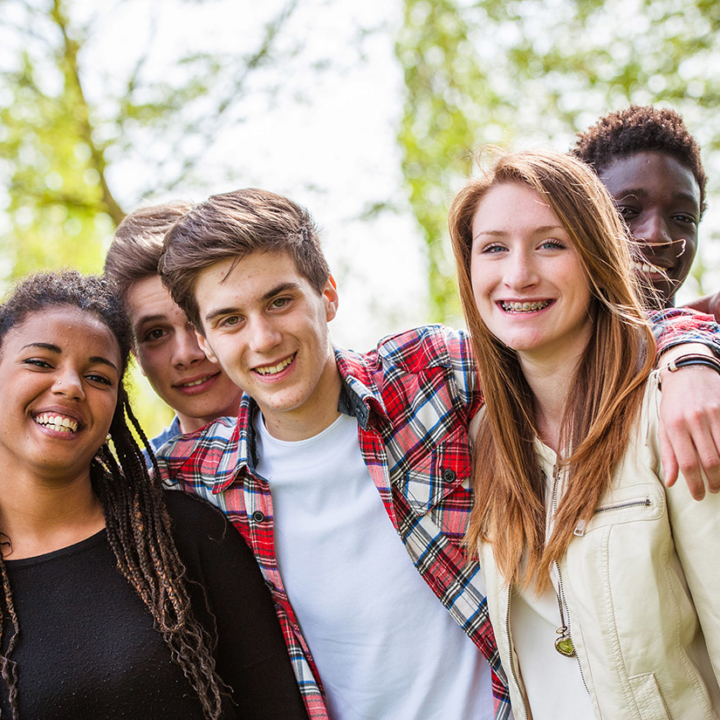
{"x":274,"y":369}
{"x":518,"y":307}
{"x":647,"y":268}
{"x":57,"y":422}
{"x":196,"y":382}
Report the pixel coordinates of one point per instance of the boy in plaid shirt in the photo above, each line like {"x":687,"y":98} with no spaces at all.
{"x":328,"y":446}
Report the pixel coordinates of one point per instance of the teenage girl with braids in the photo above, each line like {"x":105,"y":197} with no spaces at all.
{"x":118,"y":600}
{"x":602,"y":584}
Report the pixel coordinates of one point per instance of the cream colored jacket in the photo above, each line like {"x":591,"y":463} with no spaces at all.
{"x":642,"y":587}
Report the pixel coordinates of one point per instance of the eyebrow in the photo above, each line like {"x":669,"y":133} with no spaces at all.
{"x":145,"y":319}
{"x":150,"y":318}
{"x":44,"y":346}
{"x":58,"y":351}
{"x":536,"y":231}
{"x":282,"y":287}
{"x":641,"y":192}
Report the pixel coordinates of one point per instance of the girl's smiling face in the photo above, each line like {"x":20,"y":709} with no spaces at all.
{"x":530,"y":286}
{"x":60,"y":371}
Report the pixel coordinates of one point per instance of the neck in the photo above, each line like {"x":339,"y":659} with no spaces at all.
{"x":39,"y":516}
{"x":190,"y":424}
{"x":315,"y":414}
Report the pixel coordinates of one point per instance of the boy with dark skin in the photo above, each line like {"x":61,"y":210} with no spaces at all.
{"x":330,"y":445}
{"x":651,"y":166}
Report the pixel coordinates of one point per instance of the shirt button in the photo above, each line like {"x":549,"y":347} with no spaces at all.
{"x":448,"y":475}
{"x":258,"y":517}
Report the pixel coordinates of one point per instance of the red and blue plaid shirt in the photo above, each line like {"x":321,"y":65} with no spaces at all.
{"x":413,"y":398}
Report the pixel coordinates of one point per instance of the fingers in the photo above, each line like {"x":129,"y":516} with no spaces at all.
{"x":706,"y":449}
{"x":690,"y":429}
{"x":667,"y":457}
{"x":690,"y":447}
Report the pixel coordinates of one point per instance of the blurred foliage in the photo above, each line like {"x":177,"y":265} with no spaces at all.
{"x":523,"y":72}
{"x":66,"y":123}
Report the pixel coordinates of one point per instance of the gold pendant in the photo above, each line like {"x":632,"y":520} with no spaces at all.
{"x":564,"y":645}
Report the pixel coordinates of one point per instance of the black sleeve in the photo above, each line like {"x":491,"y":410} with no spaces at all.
{"x":251,"y":654}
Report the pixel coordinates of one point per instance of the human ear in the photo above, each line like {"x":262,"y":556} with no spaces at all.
{"x":331,"y":297}
{"x":133,"y":352}
{"x":205,"y":347}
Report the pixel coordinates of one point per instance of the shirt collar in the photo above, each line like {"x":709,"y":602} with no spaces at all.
{"x":359,"y":398}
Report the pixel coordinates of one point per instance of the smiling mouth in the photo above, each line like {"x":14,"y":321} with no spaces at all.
{"x":523,"y":307}
{"x":61,"y":423}
{"x":275,"y":369}
{"x":195,"y":383}
{"x":647,"y":269}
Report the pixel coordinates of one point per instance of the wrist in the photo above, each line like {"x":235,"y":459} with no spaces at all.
{"x":687,"y":360}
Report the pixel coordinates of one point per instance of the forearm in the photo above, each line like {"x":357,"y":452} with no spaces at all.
{"x":690,"y":409}
{"x":681,"y":326}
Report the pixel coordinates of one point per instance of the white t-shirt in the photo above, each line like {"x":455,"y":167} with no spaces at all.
{"x":534,"y":622}
{"x":385,"y":647}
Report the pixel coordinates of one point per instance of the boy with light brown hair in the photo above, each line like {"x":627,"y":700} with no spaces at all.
{"x":346,"y":473}
{"x":165,"y":344}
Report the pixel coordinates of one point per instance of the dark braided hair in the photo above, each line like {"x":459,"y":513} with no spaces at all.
{"x":137,"y":523}
{"x":640,"y":129}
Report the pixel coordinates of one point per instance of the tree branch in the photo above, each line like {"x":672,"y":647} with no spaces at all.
{"x":82,"y":111}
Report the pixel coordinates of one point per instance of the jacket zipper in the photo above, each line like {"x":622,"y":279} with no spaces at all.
{"x":630,"y":503}
{"x":560,"y":584}
{"x":580,"y":528}
{"x":510,"y":648}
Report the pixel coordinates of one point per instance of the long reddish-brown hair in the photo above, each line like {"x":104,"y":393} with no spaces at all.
{"x":606,"y":391}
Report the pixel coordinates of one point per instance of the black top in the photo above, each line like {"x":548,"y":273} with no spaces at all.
{"x":87,"y":647}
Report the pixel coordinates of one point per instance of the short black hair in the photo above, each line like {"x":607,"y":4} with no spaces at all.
{"x":641,"y":129}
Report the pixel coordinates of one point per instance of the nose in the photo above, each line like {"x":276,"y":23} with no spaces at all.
{"x":263,"y":335}
{"x":69,"y":384}
{"x":186,"y":351}
{"x":653,"y":230}
{"x":520,"y":271}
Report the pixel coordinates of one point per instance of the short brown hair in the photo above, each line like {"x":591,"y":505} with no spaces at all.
{"x":233,"y":225}
{"x":135,"y":251}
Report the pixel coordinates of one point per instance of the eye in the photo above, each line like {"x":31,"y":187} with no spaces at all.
{"x":230,"y":321}
{"x":627,"y":213}
{"x":280,"y":302}
{"x":493,"y":249}
{"x":101,"y":379}
{"x":154,"y":334}
{"x":37,"y":362}
{"x":553,"y":244}
{"x":685,"y":218}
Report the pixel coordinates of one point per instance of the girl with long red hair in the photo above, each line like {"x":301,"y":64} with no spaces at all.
{"x":602,"y":583}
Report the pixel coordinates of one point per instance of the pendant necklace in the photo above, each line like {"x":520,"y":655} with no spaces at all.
{"x":563,"y":643}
